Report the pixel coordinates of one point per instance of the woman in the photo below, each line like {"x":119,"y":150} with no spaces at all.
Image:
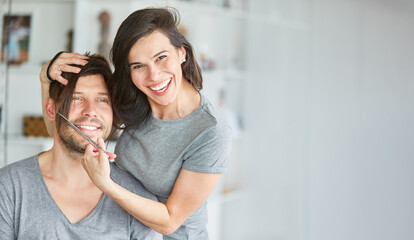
{"x":174,"y":141}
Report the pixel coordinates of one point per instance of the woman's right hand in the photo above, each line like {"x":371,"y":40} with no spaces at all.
{"x":62,"y":64}
{"x":96,"y":164}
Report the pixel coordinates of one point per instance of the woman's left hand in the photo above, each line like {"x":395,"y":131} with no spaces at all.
{"x":96,"y":164}
{"x":64,"y":63}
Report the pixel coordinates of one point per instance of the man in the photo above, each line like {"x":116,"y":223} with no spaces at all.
{"x":50,"y":196}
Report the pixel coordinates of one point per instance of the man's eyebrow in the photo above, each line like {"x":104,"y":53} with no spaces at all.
{"x":100,"y":93}
{"x":156,"y":55}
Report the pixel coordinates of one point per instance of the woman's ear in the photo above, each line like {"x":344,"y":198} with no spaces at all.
{"x":183,"y":54}
{"x":50,"y":109}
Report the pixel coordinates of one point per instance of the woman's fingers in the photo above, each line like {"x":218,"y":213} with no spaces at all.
{"x":62,"y":80}
{"x":89,"y":152}
{"x":111,"y":156}
{"x":102,"y":155}
{"x":69,"y":68}
{"x":101,"y":143}
{"x":92,"y":152}
{"x":71,"y":58}
{"x":64,"y":64}
{"x":95,"y":162}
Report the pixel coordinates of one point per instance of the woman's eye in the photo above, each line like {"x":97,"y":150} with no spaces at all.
{"x":161,"y":57}
{"x":138,"y":66}
{"x":76,"y":99}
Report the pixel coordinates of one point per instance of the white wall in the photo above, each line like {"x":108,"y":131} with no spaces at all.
{"x":277,"y":60}
{"x":360,"y":135}
{"x":329,"y":112}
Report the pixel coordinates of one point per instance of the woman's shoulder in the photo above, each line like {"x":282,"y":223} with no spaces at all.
{"x":213,"y":115}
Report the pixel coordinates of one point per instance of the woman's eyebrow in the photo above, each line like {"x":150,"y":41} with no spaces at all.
{"x":156,"y":55}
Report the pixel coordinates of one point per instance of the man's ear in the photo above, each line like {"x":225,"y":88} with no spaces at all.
{"x":50,"y":109}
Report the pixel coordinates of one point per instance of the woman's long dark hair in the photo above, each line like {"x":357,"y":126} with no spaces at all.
{"x":130,"y":103}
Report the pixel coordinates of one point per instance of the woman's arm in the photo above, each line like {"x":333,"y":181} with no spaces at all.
{"x":190,"y":191}
{"x":63,"y":62}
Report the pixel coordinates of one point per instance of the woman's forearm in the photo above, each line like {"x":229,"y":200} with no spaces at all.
{"x":190,"y":191}
{"x":153,"y":214}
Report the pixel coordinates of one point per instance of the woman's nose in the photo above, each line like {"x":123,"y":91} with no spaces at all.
{"x":154,"y":73}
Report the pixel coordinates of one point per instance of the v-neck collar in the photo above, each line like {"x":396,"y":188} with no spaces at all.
{"x":56,"y":207}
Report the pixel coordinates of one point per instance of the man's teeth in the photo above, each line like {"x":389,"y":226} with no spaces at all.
{"x":161,"y":86}
{"x":88,"y":127}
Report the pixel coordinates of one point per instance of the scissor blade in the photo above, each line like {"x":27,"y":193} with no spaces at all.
{"x":81,"y":133}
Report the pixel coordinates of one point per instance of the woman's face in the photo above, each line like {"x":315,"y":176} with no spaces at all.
{"x":155,"y":66}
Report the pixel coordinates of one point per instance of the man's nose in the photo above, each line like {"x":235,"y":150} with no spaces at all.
{"x":89,"y":109}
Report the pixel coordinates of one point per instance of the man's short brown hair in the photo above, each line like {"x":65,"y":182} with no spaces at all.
{"x":62,"y":95}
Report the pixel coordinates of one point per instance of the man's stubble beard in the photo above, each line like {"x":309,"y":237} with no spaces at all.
{"x":73,"y":145}
{"x":68,"y":136}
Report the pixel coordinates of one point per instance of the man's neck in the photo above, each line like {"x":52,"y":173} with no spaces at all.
{"x":60,"y":166}
{"x":69,"y":184}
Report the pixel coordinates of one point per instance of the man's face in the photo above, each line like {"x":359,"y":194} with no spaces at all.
{"x":90,"y":111}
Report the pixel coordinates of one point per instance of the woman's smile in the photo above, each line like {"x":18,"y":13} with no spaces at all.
{"x":161,"y":88}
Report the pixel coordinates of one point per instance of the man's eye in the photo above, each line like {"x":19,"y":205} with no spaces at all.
{"x":76,"y":99}
{"x":104,"y":100}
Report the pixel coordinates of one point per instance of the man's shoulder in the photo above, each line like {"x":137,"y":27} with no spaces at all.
{"x":20,"y":168}
{"x":18,"y":176}
{"x":128,"y":181}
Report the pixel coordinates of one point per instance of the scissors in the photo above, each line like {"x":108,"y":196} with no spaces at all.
{"x":81,"y":133}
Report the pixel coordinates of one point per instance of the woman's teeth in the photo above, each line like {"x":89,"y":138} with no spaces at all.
{"x":161,"y":87}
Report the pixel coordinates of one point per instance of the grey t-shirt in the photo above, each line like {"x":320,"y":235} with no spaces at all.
{"x":28,"y":211}
{"x":156,"y":153}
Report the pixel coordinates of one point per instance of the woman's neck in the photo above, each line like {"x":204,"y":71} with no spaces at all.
{"x":188,"y":100}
